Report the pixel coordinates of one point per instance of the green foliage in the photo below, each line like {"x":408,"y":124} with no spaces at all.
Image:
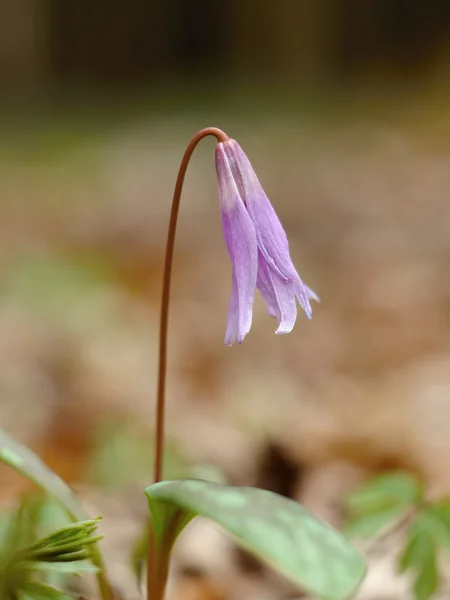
{"x":390,"y":498}
{"x":310,"y":553}
{"x":421,"y":553}
{"x":23,"y":460}
{"x":381,"y":501}
{"x":34,"y":590}
{"x":70,"y":544}
{"x":29,"y":564}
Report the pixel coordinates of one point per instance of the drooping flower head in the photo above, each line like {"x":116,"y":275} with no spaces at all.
{"x":258,"y":248}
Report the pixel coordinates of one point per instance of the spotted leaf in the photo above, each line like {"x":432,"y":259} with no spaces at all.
{"x":308,"y":552}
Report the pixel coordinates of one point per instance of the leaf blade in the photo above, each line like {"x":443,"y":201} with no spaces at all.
{"x":420,"y":556}
{"x":26,"y":462}
{"x":278,"y":530}
{"x":20,"y":458}
{"x":385,"y":491}
{"x":41,"y":591}
{"x":366,"y":526}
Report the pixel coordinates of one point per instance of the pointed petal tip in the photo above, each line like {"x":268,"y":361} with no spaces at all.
{"x":241,"y":336}
{"x":233,"y":334}
{"x":229,"y":339}
{"x":308,"y":311}
{"x":283,"y":329}
{"x":311,"y":294}
{"x":303,"y":294}
{"x":234,"y":337}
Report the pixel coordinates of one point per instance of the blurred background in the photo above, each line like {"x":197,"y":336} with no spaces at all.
{"x":343,"y":108}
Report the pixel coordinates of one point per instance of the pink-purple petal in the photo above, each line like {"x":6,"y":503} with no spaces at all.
{"x":258,"y":248}
{"x":265,"y":287}
{"x":302,"y":297}
{"x":240,"y":239}
{"x":232,"y":330}
{"x":272,"y":239}
{"x":311,"y":293}
{"x":279,"y":296}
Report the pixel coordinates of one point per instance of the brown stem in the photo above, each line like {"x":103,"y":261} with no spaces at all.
{"x":165,"y":299}
{"x":156,"y":580}
{"x":157,"y":572}
{"x":159,"y":552}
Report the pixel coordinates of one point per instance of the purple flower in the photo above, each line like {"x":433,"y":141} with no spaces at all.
{"x":258,"y":248}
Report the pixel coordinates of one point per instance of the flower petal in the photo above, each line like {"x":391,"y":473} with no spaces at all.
{"x":311,"y":293}
{"x":302,"y":297}
{"x":272,"y":239}
{"x":240,"y":239}
{"x":232,"y":330}
{"x":278,"y":294}
{"x":266,"y":289}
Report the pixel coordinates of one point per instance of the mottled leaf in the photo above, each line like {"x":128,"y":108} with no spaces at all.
{"x":310,"y":553}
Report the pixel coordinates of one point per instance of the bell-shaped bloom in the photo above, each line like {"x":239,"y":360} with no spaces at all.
{"x":258,"y":248}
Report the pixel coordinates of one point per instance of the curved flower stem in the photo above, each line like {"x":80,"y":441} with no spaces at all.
{"x":156,"y":577}
{"x":165,"y":298}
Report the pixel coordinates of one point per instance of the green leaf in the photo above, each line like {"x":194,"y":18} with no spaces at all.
{"x":420,"y":556}
{"x":367,"y":526}
{"x":21,"y":530}
{"x":24,"y":461}
{"x":427,"y":579}
{"x":385,"y":491}
{"x":379,"y":502}
{"x":140,"y":550}
{"x":440,"y":513}
{"x":53,"y":515}
{"x":23,"y":525}
{"x":278,"y":530}
{"x":70,"y":541}
{"x":72,"y":568}
{"x":40,"y":591}
{"x":411,"y":556}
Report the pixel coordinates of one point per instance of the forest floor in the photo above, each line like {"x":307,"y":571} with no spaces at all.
{"x":362,"y":190}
